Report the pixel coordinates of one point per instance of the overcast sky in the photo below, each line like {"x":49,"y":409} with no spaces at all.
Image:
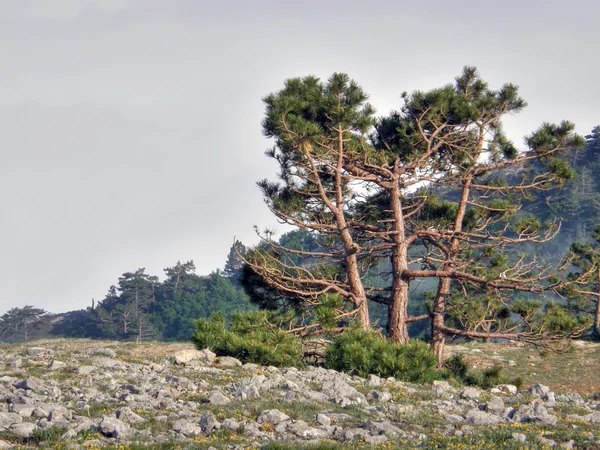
{"x":130,"y":129}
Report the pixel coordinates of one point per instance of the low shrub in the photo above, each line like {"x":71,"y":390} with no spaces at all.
{"x":254,"y":337}
{"x":456,"y":367}
{"x":364,"y":352}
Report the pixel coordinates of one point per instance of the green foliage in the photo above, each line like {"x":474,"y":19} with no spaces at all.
{"x":364,"y":352}
{"x":457,"y":368}
{"x":255,"y":337}
{"x":18,"y":324}
{"x":234,"y":264}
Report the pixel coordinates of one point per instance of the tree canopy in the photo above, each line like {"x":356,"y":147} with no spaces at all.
{"x":435,"y":189}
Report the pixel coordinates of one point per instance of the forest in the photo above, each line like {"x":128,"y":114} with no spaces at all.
{"x":427,"y":223}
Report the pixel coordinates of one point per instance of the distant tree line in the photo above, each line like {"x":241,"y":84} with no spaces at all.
{"x":140,"y":307}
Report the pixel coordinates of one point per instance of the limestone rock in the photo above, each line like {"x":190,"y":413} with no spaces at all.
{"x":228,"y":361}
{"x":115,"y":428}
{"x":186,"y":356}
{"x":208,"y":422}
{"x":218,"y":399}
{"x":31,"y":384}
{"x":477,"y":417}
{"x":272,"y":416}
{"x":24,"y":429}
{"x":7,"y":419}
{"x":470,"y":393}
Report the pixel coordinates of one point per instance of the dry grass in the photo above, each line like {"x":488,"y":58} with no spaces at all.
{"x":576,"y":369}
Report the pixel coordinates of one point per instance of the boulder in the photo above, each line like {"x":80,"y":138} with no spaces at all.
{"x":40,"y":352}
{"x":114,"y":428}
{"x":470,"y":393}
{"x":477,"y":417}
{"x":495,"y":406}
{"x":272,"y":416}
{"x":31,"y":384}
{"x":373,"y":381}
{"x":187,"y":356}
{"x":7,"y":419}
{"x":24,"y":429}
{"x":208,"y":422}
{"x":228,"y":361}
{"x":218,"y":399}
{"x":187,"y":428}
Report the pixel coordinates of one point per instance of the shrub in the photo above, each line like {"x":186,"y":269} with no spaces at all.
{"x":364,"y":352}
{"x":457,"y":368}
{"x":254,"y":337}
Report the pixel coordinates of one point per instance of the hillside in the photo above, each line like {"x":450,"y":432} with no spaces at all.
{"x":89,"y":394}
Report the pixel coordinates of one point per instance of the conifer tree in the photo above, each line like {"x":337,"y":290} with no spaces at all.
{"x":235,"y":263}
{"x":316,"y":126}
{"x":582,"y":290}
{"x":366,"y":187}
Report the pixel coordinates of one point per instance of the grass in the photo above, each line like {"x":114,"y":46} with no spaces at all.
{"x":574,"y":370}
{"x":577,"y":370}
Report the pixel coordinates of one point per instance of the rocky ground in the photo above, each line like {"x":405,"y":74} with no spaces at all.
{"x":84,"y":394}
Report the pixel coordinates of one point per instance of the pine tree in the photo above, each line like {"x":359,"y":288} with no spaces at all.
{"x":137,"y":297}
{"x":366,"y":187}
{"x":235,"y":263}
{"x":17,"y":323}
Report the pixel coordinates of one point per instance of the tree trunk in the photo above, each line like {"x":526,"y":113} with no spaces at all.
{"x":356,"y":285}
{"x":398,"y":309}
{"x":352,"y":270}
{"x":438,"y":336}
{"x":597,"y":315}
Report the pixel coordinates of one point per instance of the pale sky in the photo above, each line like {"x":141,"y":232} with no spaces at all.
{"x":130,"y":129}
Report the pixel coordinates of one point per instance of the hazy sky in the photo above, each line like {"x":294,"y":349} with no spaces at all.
{"x":130,"y":129}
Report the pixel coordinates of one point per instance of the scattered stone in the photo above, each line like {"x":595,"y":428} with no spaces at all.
{"x":208,"y":422}
{"x":247,"y":392}
{"x":114,"y":428}
{"x":176,"y":398}
{"x":218,"y":399}
{"x":56,"y":364}
{"x":7,"y":419}
{"x":128,"y":415}
{"x":31,"y":384}
{"x":322,"y":419}
{"x":545,"y":441}
{"x":507,"y":389}
{"x":470,"y":393}
{"x":477,"y":417}
{"x":380,"y":396}
{"x":495,"y":406}
{"x":228,"y":361}
{"x":272,"y":416}
{"x":231,"y":424}
{"x":186,"y":356}
{"x":519,"y":437}
{"x":442,"y":389}
{"x":16,"y":363}
{"x":24,"y":429}
{"x":40,"y":352}
{"x":85,"y":370}
{"x":186,"y":428}
{"x":373,"y":381}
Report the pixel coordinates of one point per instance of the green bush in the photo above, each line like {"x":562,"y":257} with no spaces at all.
{"x":457,"y":368}
{"x":364,"y":352}
{"x":254,"y":337}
